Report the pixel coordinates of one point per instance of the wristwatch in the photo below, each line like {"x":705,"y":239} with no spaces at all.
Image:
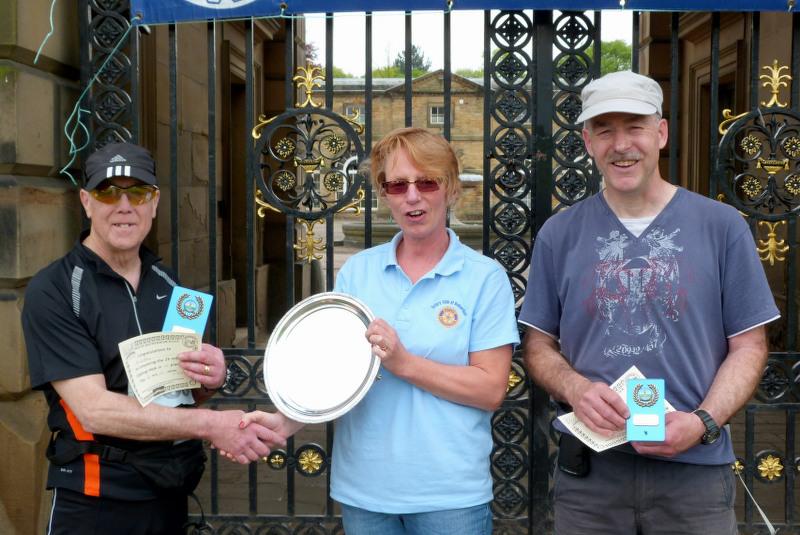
{"x":712,"y":429}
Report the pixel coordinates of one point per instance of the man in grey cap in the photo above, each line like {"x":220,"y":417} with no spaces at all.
{"x":115,"y":466}
{"x":650,"y":275}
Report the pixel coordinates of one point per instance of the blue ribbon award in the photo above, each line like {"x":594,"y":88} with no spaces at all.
{"x":645,"y":398}
{"x":188,"y":311}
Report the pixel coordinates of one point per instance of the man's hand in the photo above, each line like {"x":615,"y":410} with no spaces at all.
{"x":683,"y":430}
{"x":595,"y":404}
{"x":242,"y":443}
{"x":599,"y":407}
{"x":206,"y":366}
{"x":275,"y":422}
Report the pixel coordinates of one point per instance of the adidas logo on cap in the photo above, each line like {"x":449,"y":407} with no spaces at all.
{"x":117,"y":159}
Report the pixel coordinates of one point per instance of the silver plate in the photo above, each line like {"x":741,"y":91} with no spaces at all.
{"x":317,"y":363}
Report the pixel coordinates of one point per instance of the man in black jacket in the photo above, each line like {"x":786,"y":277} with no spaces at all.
{"x":117,"y":467}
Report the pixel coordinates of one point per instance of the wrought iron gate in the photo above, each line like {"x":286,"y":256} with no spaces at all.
{"x":534,"y":165}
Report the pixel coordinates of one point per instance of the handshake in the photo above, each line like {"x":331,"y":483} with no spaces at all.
{"x":247,"y":437}
{"x":239,"y":436}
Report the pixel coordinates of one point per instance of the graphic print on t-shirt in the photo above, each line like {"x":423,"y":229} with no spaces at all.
{"x":636,"y":282}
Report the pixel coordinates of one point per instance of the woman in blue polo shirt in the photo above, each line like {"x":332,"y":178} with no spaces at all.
{"x":413,"y":456}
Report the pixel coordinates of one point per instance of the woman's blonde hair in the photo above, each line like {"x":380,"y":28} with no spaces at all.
{"x":430,"y":152}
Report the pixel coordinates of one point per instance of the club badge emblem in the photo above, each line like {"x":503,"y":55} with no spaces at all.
{"x":190,"y":307}
{"x":645,"y":395}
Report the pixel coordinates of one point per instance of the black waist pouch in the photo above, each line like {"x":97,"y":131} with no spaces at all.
{"x":177,"y":467}
{"x":574,"y":457}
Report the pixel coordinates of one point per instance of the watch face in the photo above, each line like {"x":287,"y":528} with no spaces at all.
{"x":711,"y":436}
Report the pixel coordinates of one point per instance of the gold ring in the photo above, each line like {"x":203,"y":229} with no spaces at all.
{"x":206,"y":369}
{"x":265,"y":459}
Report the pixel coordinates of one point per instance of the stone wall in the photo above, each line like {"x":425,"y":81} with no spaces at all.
{"x":39,"y":221}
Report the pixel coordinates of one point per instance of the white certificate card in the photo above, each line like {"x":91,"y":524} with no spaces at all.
{"x":151,"y":363}
{"x":597,"y":441}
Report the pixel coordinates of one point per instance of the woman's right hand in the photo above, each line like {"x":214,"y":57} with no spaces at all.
{"x":275,"y":421}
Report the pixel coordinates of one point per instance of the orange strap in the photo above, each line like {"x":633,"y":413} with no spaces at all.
{"x":91,"y":461}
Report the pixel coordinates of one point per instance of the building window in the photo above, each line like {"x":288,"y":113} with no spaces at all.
{"x":436,"y":115}
{"x":351,"y":109}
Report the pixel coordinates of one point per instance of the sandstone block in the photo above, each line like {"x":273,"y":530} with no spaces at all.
{"x":14,"y":380}
{"x":39,"y":222}
{"x":226,"y":312}
{"x":23,"y":431}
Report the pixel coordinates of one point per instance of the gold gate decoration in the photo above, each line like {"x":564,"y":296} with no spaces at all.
{"x":307,"y":163}
{"x":758,"y":164}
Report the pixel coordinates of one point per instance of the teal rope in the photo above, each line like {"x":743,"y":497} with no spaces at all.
{"x":49,"y":34}
{"x":71,"y":131}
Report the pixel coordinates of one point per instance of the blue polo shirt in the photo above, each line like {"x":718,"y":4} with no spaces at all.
{"x":403,"y":449}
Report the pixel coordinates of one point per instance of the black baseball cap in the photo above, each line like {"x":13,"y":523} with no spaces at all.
{"x":120,"y":159}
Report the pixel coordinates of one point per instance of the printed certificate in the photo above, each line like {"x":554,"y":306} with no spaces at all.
{"x":596,"y":441}
{"x":151,"y":363}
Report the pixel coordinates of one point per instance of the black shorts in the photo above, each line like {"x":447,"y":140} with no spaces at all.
{"x":74,"y":513}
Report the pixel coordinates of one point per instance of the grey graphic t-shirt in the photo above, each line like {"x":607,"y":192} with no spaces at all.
{"x":665,"y":301}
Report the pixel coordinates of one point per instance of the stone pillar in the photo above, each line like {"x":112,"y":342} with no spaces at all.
{"x":39,"y":220}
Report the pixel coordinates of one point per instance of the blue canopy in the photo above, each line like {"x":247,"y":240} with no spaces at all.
{"x":160,"y":11}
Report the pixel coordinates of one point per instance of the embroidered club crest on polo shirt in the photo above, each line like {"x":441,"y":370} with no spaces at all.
{"x":448,"y":316}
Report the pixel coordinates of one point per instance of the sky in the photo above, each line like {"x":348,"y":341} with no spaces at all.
{"x":426,"y":33}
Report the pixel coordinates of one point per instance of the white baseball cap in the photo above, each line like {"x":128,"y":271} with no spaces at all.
{"x":621,"y":92}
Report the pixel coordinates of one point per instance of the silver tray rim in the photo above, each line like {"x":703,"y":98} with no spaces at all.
{"x":298,"y":313}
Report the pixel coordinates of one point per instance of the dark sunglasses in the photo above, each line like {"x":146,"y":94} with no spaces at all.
{"x":137,"y":194}
{"x":399,"y":187}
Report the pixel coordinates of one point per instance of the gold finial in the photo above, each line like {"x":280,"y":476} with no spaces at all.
{"x":310,"y":78}
{"x":277,"y":461}
{"x":729,"y":118}
{"x":737,"y":467}
{"x":513,"y":380}
{"x":355,"y":206}
{"x":772,"y":249}
{"x":262,"y":122}
{"x":310,"y":462}
{"x":310,"y":246}
{"x":776,"y":80}
{"x":770,"y":467}
{"x":263,"y":205}
{"x":354,"y":121}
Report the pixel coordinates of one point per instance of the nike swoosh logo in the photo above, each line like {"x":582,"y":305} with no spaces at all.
{"x":160,"y":297}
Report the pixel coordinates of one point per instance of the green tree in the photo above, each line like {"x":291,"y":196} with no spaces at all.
{"x":311,"y":57}
{"x":614,"y":56}
{"x":389,"y":71}
{"x":338,"y":72}
{"x":419,"y":63}
{"x":470,"y":73}
{"x":392,"y":71}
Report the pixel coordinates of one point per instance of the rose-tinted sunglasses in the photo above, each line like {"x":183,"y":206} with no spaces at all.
{"x":137,"y":194}
{"x":399,"y":187}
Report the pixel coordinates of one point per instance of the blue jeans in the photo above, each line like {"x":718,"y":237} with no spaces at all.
{"x":475,"y":520}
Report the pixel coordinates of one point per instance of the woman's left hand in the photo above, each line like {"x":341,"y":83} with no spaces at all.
{"x":386,"y":345}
